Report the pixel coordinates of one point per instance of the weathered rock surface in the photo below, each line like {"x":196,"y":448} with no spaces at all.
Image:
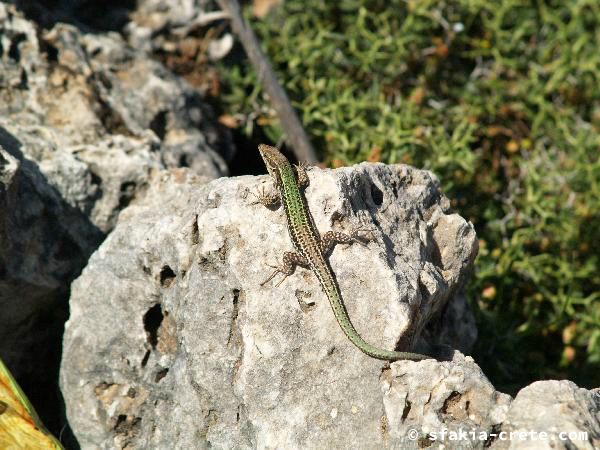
{"x":455,"y":406}
{"x":420,"y":400}
{"x":84,"y":121}
{"x":172,"y":339}
{"x":88,"y":86}
{"x":185,"y":35}
{"x":44,"y":242}
{"x":568,"y":415}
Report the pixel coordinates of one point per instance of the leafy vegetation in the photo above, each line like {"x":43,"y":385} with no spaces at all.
{"x":501,"y":101}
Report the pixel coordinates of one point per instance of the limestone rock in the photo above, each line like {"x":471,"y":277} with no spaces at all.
{"x":84,"y":121}
{"x":44,"y":242}
{"x":568,"y":417}
{"x":420,"y":402}
{"x":89,"y":110}
{"x":172,"y":340}
{"x":86,"y":86}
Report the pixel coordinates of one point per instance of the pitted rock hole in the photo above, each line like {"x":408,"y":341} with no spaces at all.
{"x":152,"y":321}
{"x":167,"y":276}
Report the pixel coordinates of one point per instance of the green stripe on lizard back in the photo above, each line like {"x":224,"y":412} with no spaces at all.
{"x":308,"y":245}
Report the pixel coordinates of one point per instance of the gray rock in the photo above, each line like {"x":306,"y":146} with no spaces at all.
{"x":44,"y":243}
{"x":568,"y":416}
{"x":451,"y":397}
{"x":156,"y":23}
{"x":84,"y":121}
{"x":76,"y":112}
{"x":172,"y":341}
{"x":99,"y":179}
{"x":88,"y":86}
{"x":158,"y":15}
{"x":187,"y":36}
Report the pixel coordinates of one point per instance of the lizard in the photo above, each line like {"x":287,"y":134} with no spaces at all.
{"x":310,"y":248}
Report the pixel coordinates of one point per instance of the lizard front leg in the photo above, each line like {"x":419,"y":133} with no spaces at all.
{"x":301,"y":174}
{"x":266,"y":197}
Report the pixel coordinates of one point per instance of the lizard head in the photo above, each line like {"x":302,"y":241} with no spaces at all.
{"x":273,"y":158}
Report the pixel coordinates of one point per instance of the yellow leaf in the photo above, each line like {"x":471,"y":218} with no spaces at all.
{"x":20,"y":426}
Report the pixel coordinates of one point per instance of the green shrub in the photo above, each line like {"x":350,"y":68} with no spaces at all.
{"x":501,"y":101}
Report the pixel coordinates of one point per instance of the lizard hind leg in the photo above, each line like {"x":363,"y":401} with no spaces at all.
{"x":290,"y":261}
{"x":331,"y":238}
